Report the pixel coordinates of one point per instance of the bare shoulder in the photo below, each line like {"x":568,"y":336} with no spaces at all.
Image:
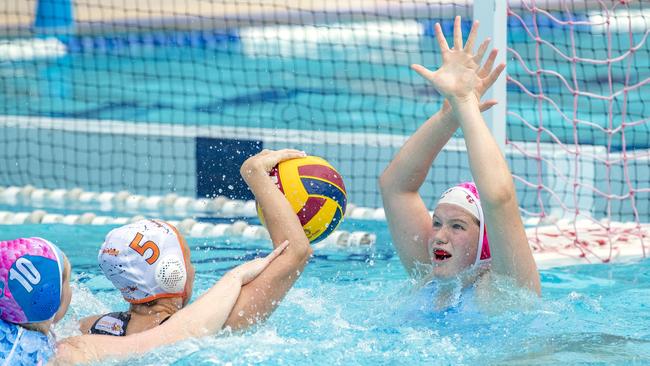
{"x":497,"y":293}
{"x":86,"y":323}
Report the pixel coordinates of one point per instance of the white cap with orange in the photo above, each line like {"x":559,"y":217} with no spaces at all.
{"x":145,"y":260}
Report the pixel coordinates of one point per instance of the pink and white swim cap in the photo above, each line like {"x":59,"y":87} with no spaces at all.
{"x":145,"y":260}
{"x":31,"y":280}
{"x":465,"y":195}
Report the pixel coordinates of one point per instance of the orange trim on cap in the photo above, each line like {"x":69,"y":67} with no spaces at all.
{"x":181,"y":239}
{"x":183,"y":244}
{"x":155,"y":297}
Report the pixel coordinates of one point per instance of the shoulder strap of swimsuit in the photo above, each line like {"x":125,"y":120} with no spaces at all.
{"x":114,"y":324}
{"x":164,"y":320}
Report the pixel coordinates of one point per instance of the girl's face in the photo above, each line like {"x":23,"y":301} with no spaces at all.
{"x":453,"y":245}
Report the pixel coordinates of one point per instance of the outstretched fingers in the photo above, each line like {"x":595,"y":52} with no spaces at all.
{"x":277,"y":251}
{"x":494,"y":75}
{"x":471,"y":38}
{"x":481,"y":51}
{"x":440,"y":37}
{"x":458,"y":34}
{"x":487,"y":104}
{"x":489,"y":63}
{"x":423,"y":71}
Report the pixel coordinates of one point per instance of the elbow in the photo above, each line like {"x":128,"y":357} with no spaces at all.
{"x":302,"y":252}
{"x":384,"y":182}
{"x":503,"y":195}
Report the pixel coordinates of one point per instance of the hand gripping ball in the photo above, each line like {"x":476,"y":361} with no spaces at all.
{"x":315,"y":191}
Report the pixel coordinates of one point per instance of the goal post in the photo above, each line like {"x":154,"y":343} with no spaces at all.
{"x":493,"y":18}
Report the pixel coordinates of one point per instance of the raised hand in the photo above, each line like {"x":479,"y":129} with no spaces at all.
{"x":267,"y":159}
{"x":487,"y":76}
{"x":459,"y":76}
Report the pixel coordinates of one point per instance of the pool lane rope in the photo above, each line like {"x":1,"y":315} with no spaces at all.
{"x":188,"y":227}
{"x":174,"y":205}
{"x":554,"y":241}
{"x":168,"y":205}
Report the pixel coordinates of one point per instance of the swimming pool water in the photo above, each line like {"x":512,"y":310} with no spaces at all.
{"x":363,"y":86}
{"x":352,"y":307}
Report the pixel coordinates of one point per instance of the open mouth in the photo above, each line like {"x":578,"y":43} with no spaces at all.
{"x":441,"y":254}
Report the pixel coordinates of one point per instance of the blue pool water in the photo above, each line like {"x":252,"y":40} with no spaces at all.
{"x":355,"y":307}
{"x":351,"y":306}
{"x":223,"y":77}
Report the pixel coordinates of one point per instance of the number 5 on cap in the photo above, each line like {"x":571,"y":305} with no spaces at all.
{"x":141,"y":249}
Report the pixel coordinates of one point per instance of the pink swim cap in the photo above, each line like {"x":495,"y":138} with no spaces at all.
{"x":31,"y":275}
{"x":466,"y":196}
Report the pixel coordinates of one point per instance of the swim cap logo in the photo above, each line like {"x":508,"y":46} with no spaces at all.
{"x":111,"y":251}
{"x":129,"y":289}
{"x":469,"y":199}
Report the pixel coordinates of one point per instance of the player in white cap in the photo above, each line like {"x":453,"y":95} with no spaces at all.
{"x":149,"y":262}
{"x":449,"y":249}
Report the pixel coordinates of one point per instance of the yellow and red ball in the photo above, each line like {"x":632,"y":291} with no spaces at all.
{"x":315,"y":191}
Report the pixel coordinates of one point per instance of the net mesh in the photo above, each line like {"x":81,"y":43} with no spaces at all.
{"x":577,"y":118}
{"x":136,"y":95}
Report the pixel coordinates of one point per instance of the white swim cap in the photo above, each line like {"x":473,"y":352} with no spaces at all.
{"x":465,"y":195}
{"x":145,"y":260}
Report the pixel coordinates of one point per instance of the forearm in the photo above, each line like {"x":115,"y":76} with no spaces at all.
{"x":260,"y":297}
{"x":511,"y":254}
{"x":281,"y":222}
{"x":408,"y":170}
{"x":486,"y":161}
{"x":408,"y":218}
{"x":204,"y":316}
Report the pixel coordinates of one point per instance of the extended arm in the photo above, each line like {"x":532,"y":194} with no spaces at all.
{"x":508,"y":242}
{"x":407,"y":215}
{"x":204,"y":316}
{"x":408,"y":218}
{"x":259,"y":298}
{"x":511,"y":254}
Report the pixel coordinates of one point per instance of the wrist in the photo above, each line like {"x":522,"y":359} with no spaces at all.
{"x":463,"y":101}
{"x":251,"y":169}
{"x":446,"y":118}
{"x":446,"y":115}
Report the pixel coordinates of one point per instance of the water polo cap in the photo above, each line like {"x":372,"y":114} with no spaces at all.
{"x":31,"y":280}
{"x":145,"y":260}
{"x":465,"y":195}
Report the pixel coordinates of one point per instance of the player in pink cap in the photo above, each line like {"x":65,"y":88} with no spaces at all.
{"x":453,"y":244}
{"x":35,"y":293}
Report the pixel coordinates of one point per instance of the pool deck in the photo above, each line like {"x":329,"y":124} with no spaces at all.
{"x":206,"y":13}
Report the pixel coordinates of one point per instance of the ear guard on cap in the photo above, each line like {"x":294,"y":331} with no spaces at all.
{"x":171,"y":274}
